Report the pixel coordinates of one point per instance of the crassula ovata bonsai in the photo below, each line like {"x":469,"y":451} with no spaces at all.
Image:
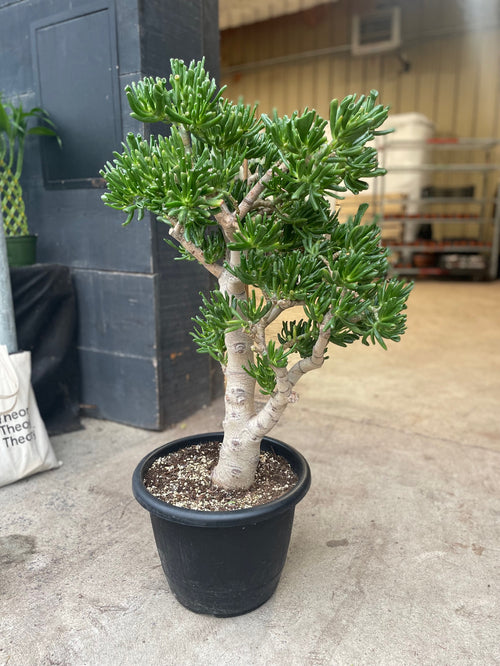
{"x":250,"y":199}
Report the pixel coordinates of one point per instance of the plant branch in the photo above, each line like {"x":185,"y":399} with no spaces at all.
{"x":260,"y":424}
{"x":258,"y":330}
{"x":249,"y":200}
{"x":273,"y":314}
{"x":177,"y":233}
{"x":186,"y":138}
{"x":286,"y":379}
{"x":227,"y":221}
{"x":317,"y":357}
{"x":265,"y":204}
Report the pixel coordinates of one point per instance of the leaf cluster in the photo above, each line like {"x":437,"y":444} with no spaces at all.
{"x":219,"y":315}
{"x":303,"y":148}
{"x":353,"y":123}
{"x":14,"y":129}
{"x":263,"y":368}
{"x":190,"y":99}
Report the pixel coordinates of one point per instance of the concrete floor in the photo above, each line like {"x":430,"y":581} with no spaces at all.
{"x":395,"y":553}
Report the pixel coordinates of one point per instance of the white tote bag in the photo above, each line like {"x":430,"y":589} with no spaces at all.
{"x":25,"y":448}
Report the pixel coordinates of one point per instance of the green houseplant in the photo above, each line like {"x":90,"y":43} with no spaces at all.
{"x":14,"y":130}
{"x":250,"y":199}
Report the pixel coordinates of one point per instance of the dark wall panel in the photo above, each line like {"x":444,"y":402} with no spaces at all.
{"x":80,"y":93}
{"x":128,"y":35}
{"x":117,"y":312}
{"x":185,"y":374}
{"x":187,"y":30}
{"x":75,"y":228}
{"x":120,"y":388}
{"x":16,"y":65}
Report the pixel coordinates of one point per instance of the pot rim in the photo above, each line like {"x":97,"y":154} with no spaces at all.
{"x":233,"y":518}
{"x":20,"y":236}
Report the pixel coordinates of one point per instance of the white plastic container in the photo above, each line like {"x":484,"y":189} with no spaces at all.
{"x":406,"y":148}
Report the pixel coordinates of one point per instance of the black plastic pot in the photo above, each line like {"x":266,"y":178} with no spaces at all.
{"x":223,"y":563}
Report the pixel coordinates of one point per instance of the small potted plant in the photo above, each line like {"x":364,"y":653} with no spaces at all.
{"x":250,"y":199}
{"x":21,"y":245}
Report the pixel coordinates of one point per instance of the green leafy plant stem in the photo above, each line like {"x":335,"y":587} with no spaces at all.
{"x":14,"y":131}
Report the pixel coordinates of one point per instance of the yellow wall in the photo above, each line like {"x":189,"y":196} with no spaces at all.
{"x":452,"y":47}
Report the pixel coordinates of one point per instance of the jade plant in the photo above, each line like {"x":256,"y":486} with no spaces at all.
{"x":14,"y":130}
{"x":250,"y":198}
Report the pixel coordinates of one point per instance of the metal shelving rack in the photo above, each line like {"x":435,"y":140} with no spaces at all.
{"x":477,"y":257}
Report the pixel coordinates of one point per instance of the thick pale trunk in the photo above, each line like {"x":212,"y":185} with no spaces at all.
{"x":244,"y":430}
{"x":239,"y":453}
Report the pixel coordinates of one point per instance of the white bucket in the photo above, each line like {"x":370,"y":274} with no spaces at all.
{"x":396,"y":151}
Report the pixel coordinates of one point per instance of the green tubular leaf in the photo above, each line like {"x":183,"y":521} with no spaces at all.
{"x":217,"y":317}
{"x":253,"y":311}
{"x":334,"y":107}
{"x":303,"y":124}
{"x":263,"y":373}
{"x":276,"y":356}
{"x":213,"y":246}
{"x":257,"y":232}
{"x":300,"y":336}
{"x":235,"y":125}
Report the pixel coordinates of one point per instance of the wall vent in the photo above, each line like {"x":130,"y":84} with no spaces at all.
{"x":376,"y":32}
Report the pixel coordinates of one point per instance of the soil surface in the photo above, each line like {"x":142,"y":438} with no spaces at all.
{"x":183,"y":478}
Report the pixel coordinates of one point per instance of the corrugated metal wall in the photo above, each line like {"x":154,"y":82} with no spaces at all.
{"x":450,"y":72}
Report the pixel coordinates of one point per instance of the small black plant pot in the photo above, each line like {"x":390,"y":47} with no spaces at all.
{"x":223,"y":563}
